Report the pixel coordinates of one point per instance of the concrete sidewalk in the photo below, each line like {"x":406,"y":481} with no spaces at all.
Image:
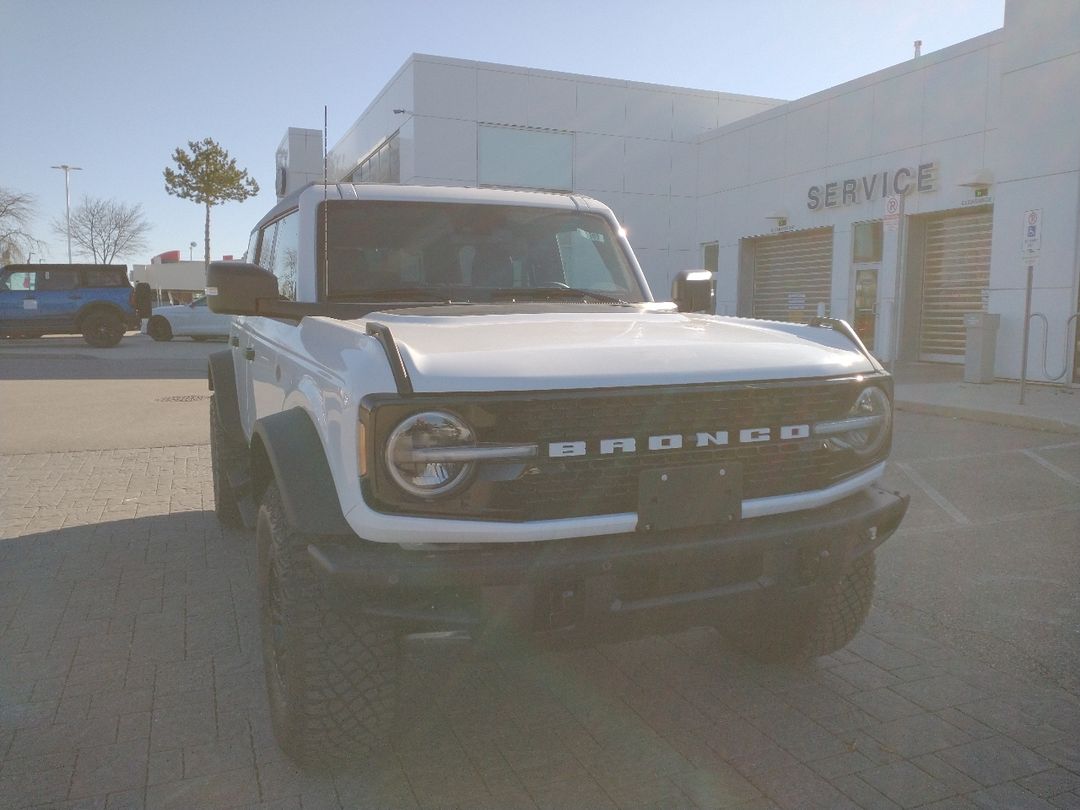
{"x":940,"y":390}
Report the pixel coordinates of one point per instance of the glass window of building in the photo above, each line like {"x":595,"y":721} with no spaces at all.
{"x":867,"y":240}
{"x":525,"y":158}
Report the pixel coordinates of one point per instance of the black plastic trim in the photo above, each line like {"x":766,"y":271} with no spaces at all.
{"x":221,"y":377}
{"x":382,"y":333}
{"x":386,"y":580}
{"x":299,"y":466}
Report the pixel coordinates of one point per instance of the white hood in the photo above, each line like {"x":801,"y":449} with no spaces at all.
{"x":601,"y":349}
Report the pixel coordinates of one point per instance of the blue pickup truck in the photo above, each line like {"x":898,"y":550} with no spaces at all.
{"x":93,"y":300}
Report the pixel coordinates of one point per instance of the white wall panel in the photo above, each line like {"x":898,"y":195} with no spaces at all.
{"x":807,"y":141}
{"x":552,"y":103}
{"x":647,"y":166}
{"x":446,"y":149}
{"x":898,"y":113}
{"x":948,"y":113}
{"x":1057,"y":198}
{"x":645,"y":217}
{"x":693,"y":115}
{"x":648,"y":113}
{"x":851,"y":125}
{"x":445,"y":90}
{"x":598,"y":162}
{"x":767,"y":143}
{"x":733,"y":109}
{"x":502,"y":97}
{"x":601,"y":108}
{"x":1041,"y":133}
{"x":683,"y":218}
{"x":684,"y":169}
{"x":733,"y":158}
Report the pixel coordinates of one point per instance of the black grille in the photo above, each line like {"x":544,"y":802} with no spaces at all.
{"x":593,"y":484}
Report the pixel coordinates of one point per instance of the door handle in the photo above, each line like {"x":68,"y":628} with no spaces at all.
{"x":234,"y":340}
{"x":249,"y":353}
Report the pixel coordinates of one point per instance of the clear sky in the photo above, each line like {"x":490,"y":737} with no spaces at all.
{"x":114,"y":86}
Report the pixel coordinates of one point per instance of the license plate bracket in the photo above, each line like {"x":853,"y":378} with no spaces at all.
{"x":683,"y":497}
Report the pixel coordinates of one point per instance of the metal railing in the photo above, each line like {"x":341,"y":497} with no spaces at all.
{"x":1028,"y":316}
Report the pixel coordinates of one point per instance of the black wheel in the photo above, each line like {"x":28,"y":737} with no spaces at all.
{"x":102,"y":330}
{"x":158,"y":328}
{"x":331,"y":677}
{"x":225,"y":453}
{"x":827,"y":628}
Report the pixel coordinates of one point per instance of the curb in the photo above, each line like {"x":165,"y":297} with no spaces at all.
{"x":1019,"y":420}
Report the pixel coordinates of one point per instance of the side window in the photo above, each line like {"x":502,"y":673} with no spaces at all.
{"x":265,"y":256}
{"x":253,"y":244}
{"x":286,"y":250}
{"x":21,"y":282}
{"x":104,"y":278}
{"x":51,"y":280}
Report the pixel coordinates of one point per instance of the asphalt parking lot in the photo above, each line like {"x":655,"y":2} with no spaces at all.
{"x":130,"y":674}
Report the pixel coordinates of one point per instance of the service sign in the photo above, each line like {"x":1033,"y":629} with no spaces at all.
{"x":892,"y":182}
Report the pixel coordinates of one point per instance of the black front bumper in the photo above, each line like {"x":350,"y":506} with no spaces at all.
{"x":614,"y":586}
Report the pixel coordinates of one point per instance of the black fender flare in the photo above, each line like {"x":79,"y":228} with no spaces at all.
{"x":286,"y":448}
{"x":221,"y":377}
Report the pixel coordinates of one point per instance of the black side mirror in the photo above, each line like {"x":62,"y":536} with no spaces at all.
{"x":695,"y":291}
{"x":235,"y":288}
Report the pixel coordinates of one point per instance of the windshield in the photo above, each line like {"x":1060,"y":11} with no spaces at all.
{"x":468,"y":252}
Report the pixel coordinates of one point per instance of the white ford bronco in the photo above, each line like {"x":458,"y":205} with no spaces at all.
{"x":460,"y":411}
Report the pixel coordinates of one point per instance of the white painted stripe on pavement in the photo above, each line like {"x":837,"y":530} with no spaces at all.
{"x":1052,"y":467}
{"x":935,"y":496}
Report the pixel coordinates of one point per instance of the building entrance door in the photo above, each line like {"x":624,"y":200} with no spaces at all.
{"x":866,"y":279}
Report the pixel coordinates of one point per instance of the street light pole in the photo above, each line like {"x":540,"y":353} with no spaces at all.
{"x":67,"y":170}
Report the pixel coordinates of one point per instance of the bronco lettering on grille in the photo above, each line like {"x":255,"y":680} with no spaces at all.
{"x":676,"y":441}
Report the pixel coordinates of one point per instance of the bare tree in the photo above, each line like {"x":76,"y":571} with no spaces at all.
{"x":105,"y":229}
{"x":16,"y":214}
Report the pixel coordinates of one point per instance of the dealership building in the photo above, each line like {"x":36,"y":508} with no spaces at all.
{"x":915,"y":202}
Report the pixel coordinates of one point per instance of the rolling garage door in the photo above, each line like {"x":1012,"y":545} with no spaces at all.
{"x":956,"y":274}
{"x":792,"y":275}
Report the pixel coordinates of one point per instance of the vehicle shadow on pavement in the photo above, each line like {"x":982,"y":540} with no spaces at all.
{"x":130,"y":671}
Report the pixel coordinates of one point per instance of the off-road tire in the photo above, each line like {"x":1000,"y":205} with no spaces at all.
{"x":837,"y":617}
{"x":225,"y":453}
{"x":331,"y":675}
{"x":102,"y":330}
{"x":159,"y":329}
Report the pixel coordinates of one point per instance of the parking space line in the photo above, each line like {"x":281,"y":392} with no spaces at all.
{"x":935,"y":496}
{"x":1054,"y":468}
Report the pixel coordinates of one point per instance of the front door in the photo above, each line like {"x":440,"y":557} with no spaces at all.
{"x":866,"y":304}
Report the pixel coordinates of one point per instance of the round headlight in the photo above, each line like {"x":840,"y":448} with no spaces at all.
{"x":870,"y":421}
{"x":413,"y":454}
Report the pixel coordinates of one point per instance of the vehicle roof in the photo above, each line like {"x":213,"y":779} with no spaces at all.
{"x":25,"y":268}
{"x":445,"y":194}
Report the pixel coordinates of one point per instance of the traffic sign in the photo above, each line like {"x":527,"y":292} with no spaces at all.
{"x":1031,"y":243}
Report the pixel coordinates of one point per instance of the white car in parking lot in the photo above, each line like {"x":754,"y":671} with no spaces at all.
{"x":194,"y":320}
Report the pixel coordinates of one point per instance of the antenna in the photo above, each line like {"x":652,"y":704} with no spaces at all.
{"x":326,"y":210}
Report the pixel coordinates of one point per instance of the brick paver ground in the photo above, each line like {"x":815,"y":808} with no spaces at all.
{"x":130,"y":678}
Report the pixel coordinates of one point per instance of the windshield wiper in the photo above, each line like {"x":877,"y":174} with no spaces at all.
{"x":555,"y":294}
